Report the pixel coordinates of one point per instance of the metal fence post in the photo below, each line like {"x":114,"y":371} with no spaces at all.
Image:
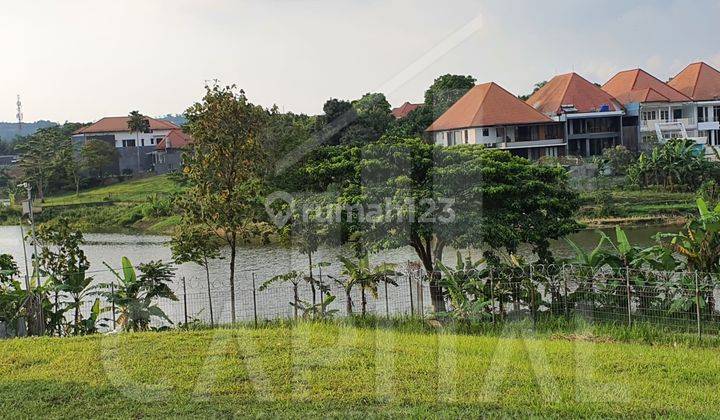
{"x":410,"y":289}
{"x":112,"y":293}
{"x":697,"y":305}
{"x":492,"y":296}
{"x":254,"y":300}
{"x":565,"y":292}
{"x":387,"y":303}
{"x":533,"y":311}
{"x":185,"y":311}
{"x":629,"y":296}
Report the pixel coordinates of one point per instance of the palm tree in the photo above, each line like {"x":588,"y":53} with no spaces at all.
{"x":137,"y":123}
{"x":362,"y":274}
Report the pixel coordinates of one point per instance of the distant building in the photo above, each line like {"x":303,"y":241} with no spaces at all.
{"x":592,"y":118}
{"x":168,"y":153}
{"x":7,"y":161}
{"x":661,"y":111}
{"x":135,"y":150}
{"x":701,"y":83}
{"x":490,"y":115}
{"x":403,"y":110}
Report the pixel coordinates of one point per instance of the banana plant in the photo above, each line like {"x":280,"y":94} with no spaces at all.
{"x":293,"y":277}
{"x":317,"y":310}
{"x":135,"y":295}
{"x":362,"y":274}
{"x":465,"y":287}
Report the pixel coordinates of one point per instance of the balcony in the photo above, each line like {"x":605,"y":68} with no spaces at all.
{"x":650,"y":125}
{"x":531,"y":143}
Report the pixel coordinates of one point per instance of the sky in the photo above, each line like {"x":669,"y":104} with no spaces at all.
{"x":78,"y":60}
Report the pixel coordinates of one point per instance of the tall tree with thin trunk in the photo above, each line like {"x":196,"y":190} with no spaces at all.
{"x":138,"y":123}
{"x":225,"y":167}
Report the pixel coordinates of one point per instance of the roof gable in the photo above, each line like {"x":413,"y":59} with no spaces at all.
{"x":633,"y":85}
{"x":120,"y":124}
{"x":571,"y":88}
{"x":699,"y":81}
{"x":403,"y":110}
{"x":175,"y":139}
{"x":486,"y":105}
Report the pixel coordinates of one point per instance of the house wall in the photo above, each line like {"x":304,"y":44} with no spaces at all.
{"x":168,"y":161}
{"x":130,"y":159}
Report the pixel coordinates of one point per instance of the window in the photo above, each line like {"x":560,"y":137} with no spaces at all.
{"x":701,"y":114}
{"x":500,"y":133}
{"x":486,"y":132}
{"x":677,"y":114}
{"x":128,"y":143}
{"x":649,"y":115}
{"x":466,"y":137}
{"x":716,"y":113}
{"x":664,"y":115}
{"x":142,"y":142}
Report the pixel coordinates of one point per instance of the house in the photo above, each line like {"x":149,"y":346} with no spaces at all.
{"x":701,"y":83}
{"x":7,"y":161}
{"x":592,"y":118}
{"x":490,"y":115}
{"x":403,"y":110}
{"x":659,"y":111}
{"x":134,"y":149}
{"x":167,"y":156}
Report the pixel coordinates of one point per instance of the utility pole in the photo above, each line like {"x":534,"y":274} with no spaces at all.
{"x":19,"y":115}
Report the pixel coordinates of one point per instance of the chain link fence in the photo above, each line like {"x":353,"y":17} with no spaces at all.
{"x":684,"y":301}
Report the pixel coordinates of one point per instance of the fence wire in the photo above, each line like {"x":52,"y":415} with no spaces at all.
{"x":685,"y":301}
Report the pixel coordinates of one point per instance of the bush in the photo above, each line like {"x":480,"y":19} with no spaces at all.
{"x":677,"y":165}
{"x":618,"y":159}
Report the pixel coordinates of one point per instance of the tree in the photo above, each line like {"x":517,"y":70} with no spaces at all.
{"x":536,"y":87}
{"x":361,"y":273}
{"x":96,"y":155}
{"x":37,"y":160}
{"x":445,"y":91}
{"x":462,"y":196}
{"x":71,"y":162}
{"x":225,"y":168}
{"x":137,"y":123}
{"x":65,"y":263}
{"x":194,"y":244}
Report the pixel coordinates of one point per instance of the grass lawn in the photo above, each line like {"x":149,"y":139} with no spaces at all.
{"x":134,"y":191}
{"x":344,"y":371}
{"x":636,"y":207}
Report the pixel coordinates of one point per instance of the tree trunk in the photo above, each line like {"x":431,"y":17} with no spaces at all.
{"x":348,"y":302}
{"x":77,"y":316}
{"x":207,"y":275}
{"x":77,"y":186}
{"x":363,"y":298}
{"x":233,"y":251}
{"x":436,"y":293}
{"x":312,"y":280}
{"x":295,"y":299}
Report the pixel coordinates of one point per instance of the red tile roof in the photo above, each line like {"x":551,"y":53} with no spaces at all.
{"x":699,"y":81}
{"x":119,"y":124}
{"x":485,"y":105}
{"x":571,"y":88}
{"x":403,"y":110}
{"x":640,"y":86}
{"x":175,"y":139}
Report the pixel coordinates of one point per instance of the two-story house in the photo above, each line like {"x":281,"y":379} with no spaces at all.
{"x":701,"y":83}
{"x":135,"y":150}
{"x":592,"y":118}
{"x":661,"y":111}
{"x":490,"y":115}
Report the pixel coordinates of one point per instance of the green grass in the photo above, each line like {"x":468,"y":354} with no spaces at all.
{"x":134,"y":191}
{"x":640,"y":206}
{"x":338,"y":370}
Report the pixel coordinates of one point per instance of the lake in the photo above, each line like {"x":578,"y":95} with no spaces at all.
{"x":265,"y":262}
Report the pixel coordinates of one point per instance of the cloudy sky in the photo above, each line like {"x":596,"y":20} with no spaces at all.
{"x":80,"y":60}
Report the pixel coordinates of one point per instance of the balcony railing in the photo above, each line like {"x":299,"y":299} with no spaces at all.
{"x":532,"y":143}
{"x":650,"y":124}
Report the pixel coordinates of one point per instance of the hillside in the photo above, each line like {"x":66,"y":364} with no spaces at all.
{"x":9,"y":130}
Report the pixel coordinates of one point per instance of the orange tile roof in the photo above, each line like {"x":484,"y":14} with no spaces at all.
{"x":638,"y":85}
{"x":699,"y":81}
{"x":175,"y":139}
{"x":485,"y":105}
{"x":571,"y":88}
{"x":118,"y":124}
{"x":403,"y":110}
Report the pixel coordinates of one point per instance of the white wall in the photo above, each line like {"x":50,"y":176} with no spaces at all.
{"x":150,"y":139}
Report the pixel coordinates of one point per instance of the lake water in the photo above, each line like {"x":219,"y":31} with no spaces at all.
{"x":265,"y":262}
